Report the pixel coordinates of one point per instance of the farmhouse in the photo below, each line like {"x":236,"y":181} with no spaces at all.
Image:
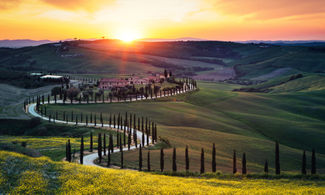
{"x":108,"y":83}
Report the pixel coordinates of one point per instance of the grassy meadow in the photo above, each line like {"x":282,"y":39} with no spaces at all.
{"x":46,"y":139}
{"x":21,"y":174}
{"x":241,"y":121}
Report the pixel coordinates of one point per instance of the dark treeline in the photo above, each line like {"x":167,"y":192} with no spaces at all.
{"x":128,"y":126}
{"x":243,"y":164}
{"x":71,"y":95}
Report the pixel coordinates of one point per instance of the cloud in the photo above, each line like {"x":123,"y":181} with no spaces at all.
{"x":88,"y":5}
{"x":259,"y":9}
{"x":8,"y":4}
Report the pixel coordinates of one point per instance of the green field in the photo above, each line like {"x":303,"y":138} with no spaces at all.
{"x":25,"y":175}
{"x":46,"y":139}
{"x":245,"y":122}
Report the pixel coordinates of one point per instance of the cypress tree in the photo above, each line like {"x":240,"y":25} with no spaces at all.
{"x":91,"y":141}
{"x":129,"y":141}
{"x":95,"y":121}
{"x":111,"y":147}
{"x":86,"y":120}
{"x":161,"y":159}
{"x":234,"y":164}
{"x":187,"y":160}
{"x":118,"y":121}
{"x":82,"y":150}
{"x":202,"y":161}
{"x":142,"y":139}
{"x":134,"y":122}
{"x":124,"y":136}
{"x":114,"y":121}
{"x":277,"y":158}
{"x":104,"y":145}
{"x":118,"y":140}
{"x":108,"y":158}
{"x":214,"y":165}
{"x":313,"y":162}
{"x":244,"y":168}
{"x":266,"y":167}
{"x":303,"y":167}
{"x":99,"y":147}
{"x":110,"y":120}
{"x":174,"y":160}
{"x":121,"y":151}
{"x":148,"y":161}
{"x":140,"y":158}
{"x":142,"y":125}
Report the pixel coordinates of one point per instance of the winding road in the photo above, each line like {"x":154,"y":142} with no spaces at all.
{"x":90,"y":158}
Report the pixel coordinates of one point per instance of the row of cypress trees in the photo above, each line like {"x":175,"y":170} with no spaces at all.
{"x":213,"y":162}
{"x":185,"y":84}
{"x":129,"y":124}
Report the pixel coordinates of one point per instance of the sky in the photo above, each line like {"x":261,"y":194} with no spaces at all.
{"x":228,"y":20}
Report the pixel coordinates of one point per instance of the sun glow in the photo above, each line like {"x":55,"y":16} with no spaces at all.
{"x":128,"y":36}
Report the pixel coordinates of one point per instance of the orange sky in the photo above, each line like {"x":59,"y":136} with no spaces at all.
{"x":209,"y":19}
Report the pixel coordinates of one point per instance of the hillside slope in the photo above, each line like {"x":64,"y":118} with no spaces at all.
{"x":26,"y":175}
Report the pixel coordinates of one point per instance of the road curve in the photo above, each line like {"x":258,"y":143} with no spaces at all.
{"x":89,"y":159}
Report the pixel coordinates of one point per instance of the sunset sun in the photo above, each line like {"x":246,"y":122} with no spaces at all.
{"x":128,"y":36}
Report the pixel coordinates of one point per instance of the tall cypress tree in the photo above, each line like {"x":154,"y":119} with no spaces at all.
{"x":99,"y":147}
{"x":69,"y":151}
{"x":202,"y":170}
{"x":111,"y":144}
{"x":140,"y":158}
{"x":162,"y":160}
{"x":121,"y":151}
{"x":108,"y":158}
{"x":313,"y":162}
{"x":187,"y":160}
{"x":266,"y":167}
{"x":129,"y":141}
{"x":148,"y":161}
{"x":142,"y":139}
{"x":91,"y":141}
{"x":303,"y":166}
{"x":118,"y":140}
{"x":104,"y":144}
{"x":82,"y":150}
{"x":174,"y":160}
{"x":214,"y":164}
{"x":277,"y":158}
{"x":234,"y":163}
{"x":114,"y":121}
{"x":244,"y":168}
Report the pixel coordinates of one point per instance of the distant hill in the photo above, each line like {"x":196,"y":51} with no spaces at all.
{"x":204,"y":60}
{"x":22,"y":43}
{"x":292,"y":43}
{"x":173,"y":40}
